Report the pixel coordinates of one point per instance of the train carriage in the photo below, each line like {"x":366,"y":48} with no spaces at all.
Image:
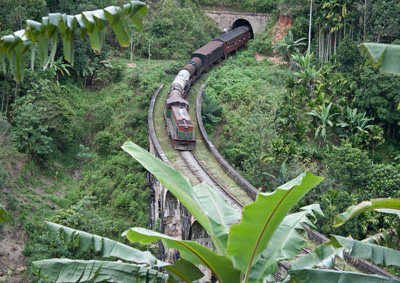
{"x":234,"y":39}
{"x":179,"y":125}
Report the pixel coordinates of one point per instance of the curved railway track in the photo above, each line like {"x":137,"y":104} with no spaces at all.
{"x":198,"y":170}
{"x":202,"y":174}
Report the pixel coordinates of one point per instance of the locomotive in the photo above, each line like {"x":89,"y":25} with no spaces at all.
{"x":179,"y":125}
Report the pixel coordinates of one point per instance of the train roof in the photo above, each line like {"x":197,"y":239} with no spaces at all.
{"x":207,"y":49}
{"x":177,"y":99}
{"x":181,"y":116}
{"x":231,"y":34}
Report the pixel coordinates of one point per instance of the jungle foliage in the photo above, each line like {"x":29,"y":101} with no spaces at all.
{"x":247,"y":248}
{"x":334,"y":114}
{"x":61,"y":129}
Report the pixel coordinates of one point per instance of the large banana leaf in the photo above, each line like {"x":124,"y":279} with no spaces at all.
{"x":5,"y":217}
{"x":92,"y":23}
{"x":104,"y":246}
{"x":385,"y":205}
{"x":222,"y":214}
{"x":286,"y":243}
{"x":180,"y":271}
{"x":220,"y":266}
{"x":330,"y":276}
{"x":323,"y":256}
{"x":388,"y":238}
{"x":384,"y":56}
{"x":378,"y":254}
{"x":213,"y":220}
{"x":248,"y":239}
{"x":66,"y":270}
{"x":183,"y":270}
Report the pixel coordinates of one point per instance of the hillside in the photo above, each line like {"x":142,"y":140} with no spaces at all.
{"x":272,"y":110}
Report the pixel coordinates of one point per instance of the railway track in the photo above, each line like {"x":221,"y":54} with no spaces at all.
{"x":201,"y":173}
{"x":195,"y":166}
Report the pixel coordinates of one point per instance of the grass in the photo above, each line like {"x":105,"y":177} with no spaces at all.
{"x":201,"y":151}
{"x":204,"y":155}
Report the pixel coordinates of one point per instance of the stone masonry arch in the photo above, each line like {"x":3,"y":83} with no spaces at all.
{"x":226,"y":20}
{"x":243,"y":22}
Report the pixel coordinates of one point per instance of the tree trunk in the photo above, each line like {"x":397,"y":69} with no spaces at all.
{"x":131,"y":52}
{"x":2,"y":104}
{"x":334,"y":47}
{"x":5,"y":113}
{"x":365,"y":19}
{"x":148,"y":63}
{"x":309,"y":30}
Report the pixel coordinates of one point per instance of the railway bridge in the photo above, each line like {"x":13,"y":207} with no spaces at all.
{"x":170,"y":217}
{"x":227,"y":20}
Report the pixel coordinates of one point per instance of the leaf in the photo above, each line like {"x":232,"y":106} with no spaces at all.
{"x":217,"y":208}
{"x":68,"y":37}
{"x":174,"y":181}
{"x":286,"y":243}
{"x":43,"y":50}
{"x":66,"y":270}
{"x":221,"y":213}
{"x":113,"y":15}
{"x":92,"y":23}
{"x":331,"y":276}
{"x":382,"y":205}
{"x":386,"y":238}
{"x":5,"y":217}
{"x":104,"y":246}
{"x":384,"y":56}
{"x":377,"y":254}
{"x":191,"y":251}
{"x":323,"y":256}
{"x":262,"y":218}
{"x":183,"y":270}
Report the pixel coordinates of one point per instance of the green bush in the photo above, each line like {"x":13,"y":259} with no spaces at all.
{"x":29,"y":129}
{"x":383,"y":181}
{"x":348,"y":166}
{"x":103,"y":140}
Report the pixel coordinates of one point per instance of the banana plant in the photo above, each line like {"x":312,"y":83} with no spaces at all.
{"x":5,"y":217}
{"x":384,"y":56}
{"x":289,"y":46}
{"x":247,"y":245}
{"x":92,"y":23}
{"x":324,"y":255}
{"x":324,"y":119}
{"x":355,"y":125}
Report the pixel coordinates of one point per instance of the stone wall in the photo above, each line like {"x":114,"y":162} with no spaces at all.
{"x":225,"y":19}
{"x":167,"y":214}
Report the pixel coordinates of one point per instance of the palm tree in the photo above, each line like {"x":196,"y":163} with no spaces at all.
{"x":308,"y":74}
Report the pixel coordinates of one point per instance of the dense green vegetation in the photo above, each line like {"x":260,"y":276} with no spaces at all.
{"x":330,"y":114}
{"x":61,"y":129}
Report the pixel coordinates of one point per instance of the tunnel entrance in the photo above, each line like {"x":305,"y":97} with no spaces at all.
{"x":243,"y":22}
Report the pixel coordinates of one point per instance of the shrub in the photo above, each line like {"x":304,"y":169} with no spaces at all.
{"x":348,"y":165}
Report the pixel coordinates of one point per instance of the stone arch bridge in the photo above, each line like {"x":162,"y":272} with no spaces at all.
{"x":227,"y":20}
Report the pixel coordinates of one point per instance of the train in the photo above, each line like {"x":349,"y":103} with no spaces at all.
{"x":177,"y":120}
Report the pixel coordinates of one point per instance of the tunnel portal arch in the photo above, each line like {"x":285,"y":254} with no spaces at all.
{"x":243,"y":22}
